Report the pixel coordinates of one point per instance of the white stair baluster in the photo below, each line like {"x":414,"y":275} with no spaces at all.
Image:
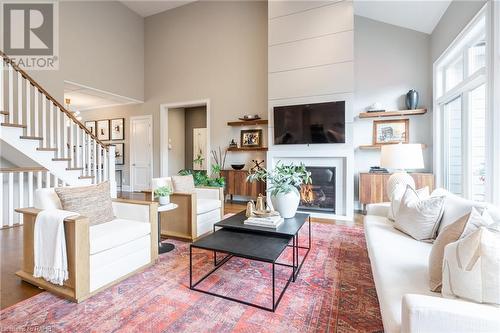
{"x":44,"y":121}
{"x":21,"y":195}
{"x":30,"y":189}
{"x":11,"y":199}
{"x":84,"y":154}
{"x":99,"y":164}
{"x":19,"y":98}
{"x":89,"y":154}
{"x":95,"y":161}
{"x":105,"y":165}
{"x":65,"y":126}
{"x":28,"y":108}
{"x":39,"y":179}
{"x":71,"y":148}
{"x":2,"y":105}
{"x":2,"y":222}
{"x":36,"y":115}
{"x":11,"y":93}
{"x":47,"y":179}
{"x":78,"y":148}
{"x":60,"y":148}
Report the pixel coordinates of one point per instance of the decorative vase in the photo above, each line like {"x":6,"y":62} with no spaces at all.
{"x":286,"y":204}
{"x":412,"y":99}
{"x":164,"y":200}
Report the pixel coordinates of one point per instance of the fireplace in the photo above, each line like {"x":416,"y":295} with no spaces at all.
{"x":319,"y":196}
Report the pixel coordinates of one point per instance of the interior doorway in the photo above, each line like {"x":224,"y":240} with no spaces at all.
{"x":185,"y":140}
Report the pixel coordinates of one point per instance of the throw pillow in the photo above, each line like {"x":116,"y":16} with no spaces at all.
{"x":417,"y":217}
{"x":397,"y":195}
{"x":92,"y":201}
{"x":183,"y":184}
{"x":451,"y":233}
{"x":471,"y":267}
{"x":455,"y":207}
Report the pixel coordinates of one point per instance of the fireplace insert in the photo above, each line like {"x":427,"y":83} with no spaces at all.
{"x":319,"y":196}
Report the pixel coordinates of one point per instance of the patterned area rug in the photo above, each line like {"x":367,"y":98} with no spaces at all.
{"x":333,"y":293}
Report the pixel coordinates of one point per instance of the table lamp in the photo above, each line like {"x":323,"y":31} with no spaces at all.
{"x":399,"y":158}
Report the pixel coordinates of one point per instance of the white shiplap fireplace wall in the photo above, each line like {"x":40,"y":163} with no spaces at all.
{"x":310,"y":60}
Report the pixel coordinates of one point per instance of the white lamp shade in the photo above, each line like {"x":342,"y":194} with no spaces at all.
{"x":402,"y":156}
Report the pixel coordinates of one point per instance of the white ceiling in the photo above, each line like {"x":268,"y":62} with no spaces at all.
{"x":148,"y":8}
{"x":84,"y":98}
{"x":421,"y":15}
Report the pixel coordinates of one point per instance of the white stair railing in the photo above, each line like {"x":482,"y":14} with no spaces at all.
{"x":25,"y":104}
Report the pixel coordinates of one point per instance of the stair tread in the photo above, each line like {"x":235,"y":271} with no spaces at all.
{"x":14,"y":125}
{"x":46,"y":149}
{"x":86,"y":177}
{"x":74,"y":168}
{"x":27,"y":137}
{"x":4,"y":113}
{"x":61,"y":159}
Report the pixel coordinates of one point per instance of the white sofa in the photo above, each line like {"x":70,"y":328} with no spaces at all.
{"x":399,"y":265}
{"x":197,"y":212}
{"x":98,"y":255}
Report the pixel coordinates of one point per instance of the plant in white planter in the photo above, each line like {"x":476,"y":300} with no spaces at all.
{"x":163,"y":194}
{"x":284,"y":183}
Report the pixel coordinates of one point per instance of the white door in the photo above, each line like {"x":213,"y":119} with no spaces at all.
{"x":141,"y":153}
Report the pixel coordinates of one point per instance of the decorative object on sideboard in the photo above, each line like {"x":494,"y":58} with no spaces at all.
{"x":233,"y":144}
{"x":377,"y":169}
{"x":103,"y":129}
{"x":91,"y":126}
{"x":391,"y":131}
{"x":375,"y":107}
{"x":249,"y":117}
{"x":284,"y":183}
{"x":251,"y":138}
{"x":219,"y":157}
{"x":257,"y":165}
{"x":119,"y":153}
{"x":117,"y":129}
{"x":412,"y":99}
{"x":250,"y":209}
{"x":260,"y":204}
{"x":401,"y":157}
{"x":238,"y":166}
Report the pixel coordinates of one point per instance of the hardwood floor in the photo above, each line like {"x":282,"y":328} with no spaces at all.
{"x":13,"y":290}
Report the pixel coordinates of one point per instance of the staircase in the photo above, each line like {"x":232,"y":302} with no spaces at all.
{"x":36,"y":125}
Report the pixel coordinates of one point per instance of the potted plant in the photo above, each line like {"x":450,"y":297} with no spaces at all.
{"x":163,"y":194}
{"x":284,"y":183}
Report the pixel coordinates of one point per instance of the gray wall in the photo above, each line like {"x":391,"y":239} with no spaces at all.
{"x":454,"y":20}
{"x":390,"y":60}
{"x":101,"y":45}
{"x":213,"y":50}
{"x":194,"y":118}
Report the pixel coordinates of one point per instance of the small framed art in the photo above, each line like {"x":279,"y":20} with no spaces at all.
{"x":103,"y":130}
{"x":391,"y":131}
{"x":117,"y":129}
{"x":251,"y":138}
{"x":91,"y":126}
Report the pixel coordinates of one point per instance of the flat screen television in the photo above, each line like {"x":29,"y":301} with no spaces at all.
{"x":310,"y":123}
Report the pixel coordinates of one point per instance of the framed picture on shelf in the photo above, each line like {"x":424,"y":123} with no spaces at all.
{"x":119,"y":153}
{"x":117,"y":129}
{"x":91,"y":126}
{"x":103,"y":130}
{"x":251,"y":138}
{"x":391,"y":131}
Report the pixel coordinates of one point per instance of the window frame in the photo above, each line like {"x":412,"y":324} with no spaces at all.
{"x":460,"y":48}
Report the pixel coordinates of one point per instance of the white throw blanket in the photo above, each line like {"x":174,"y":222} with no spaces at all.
{"x":51,"y":262}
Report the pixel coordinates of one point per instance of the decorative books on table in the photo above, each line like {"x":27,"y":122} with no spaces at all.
{"x":265,"y":221}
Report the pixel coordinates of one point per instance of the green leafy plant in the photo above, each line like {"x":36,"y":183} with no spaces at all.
{"x":199,"y":159}
{"x":283,"y":179}
{"x":163,"y":191}
{"x":201,"y":178}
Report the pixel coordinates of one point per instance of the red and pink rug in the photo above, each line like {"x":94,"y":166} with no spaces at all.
{"x":333,"y":293}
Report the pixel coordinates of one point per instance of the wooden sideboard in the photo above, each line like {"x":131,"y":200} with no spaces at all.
{"x":236,"y":184}
{"x":372,"y":186}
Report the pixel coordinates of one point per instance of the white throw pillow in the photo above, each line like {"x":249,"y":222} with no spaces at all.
{"x":419,"y":217}
{"x":396,"y":197}
{"x":471,"y":267}
{"x":455,"y":207}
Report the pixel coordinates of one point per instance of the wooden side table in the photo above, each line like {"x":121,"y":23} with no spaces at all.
{"x":236,"y":184}
{"x":164,"y":247}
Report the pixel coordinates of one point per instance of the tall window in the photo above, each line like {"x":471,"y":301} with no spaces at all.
{"x":460,"y":81}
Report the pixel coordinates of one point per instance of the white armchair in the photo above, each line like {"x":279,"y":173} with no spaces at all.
{"x":98,"y":255}
{"x":197,"y":212}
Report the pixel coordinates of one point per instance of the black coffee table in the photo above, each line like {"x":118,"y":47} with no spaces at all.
{"x":236,"y":239}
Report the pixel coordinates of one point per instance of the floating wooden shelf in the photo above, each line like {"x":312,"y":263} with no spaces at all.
{"x":392,"y":113}
{"x":248,"y":123}
{"x":378,"y":147}
{"x":247,"y":149}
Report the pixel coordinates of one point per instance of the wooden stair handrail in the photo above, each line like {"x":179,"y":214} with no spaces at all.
{"x":52,"y":99}
{"x":22,"y":169}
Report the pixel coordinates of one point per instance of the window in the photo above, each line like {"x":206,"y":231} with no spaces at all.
{"x":460,"y":86}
